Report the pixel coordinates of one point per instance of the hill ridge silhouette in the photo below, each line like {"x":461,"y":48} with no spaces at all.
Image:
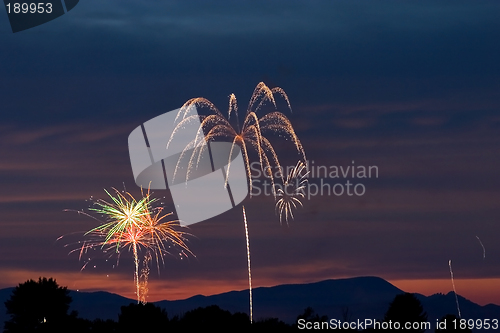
{"x":364,"y":297}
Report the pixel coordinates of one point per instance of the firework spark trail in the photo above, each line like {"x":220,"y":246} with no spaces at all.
{"x":484,"y":250}
{"x":291,"y":192}
{"x":136,"y":272}
{"x":454,"y":289}
{"x":248,"y":259}
{"x":132,"y":225}
{"x":144,"y":277}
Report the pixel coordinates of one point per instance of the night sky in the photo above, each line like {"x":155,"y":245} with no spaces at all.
{"x":410,"y":87}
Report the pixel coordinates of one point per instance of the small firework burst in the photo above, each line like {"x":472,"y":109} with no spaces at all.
{"x":293,"y":189}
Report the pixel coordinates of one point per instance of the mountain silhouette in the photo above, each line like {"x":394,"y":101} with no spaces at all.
{"x":363,"y":295}
{"x":351,"y":299}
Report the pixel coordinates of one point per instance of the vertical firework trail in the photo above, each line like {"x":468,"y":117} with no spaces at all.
{"x":144,"y":277}
{"x":136,"y":272}
{"x":248,"y":259}
{"x":454,"y":289}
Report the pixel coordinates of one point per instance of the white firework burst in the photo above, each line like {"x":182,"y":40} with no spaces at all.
{"x":289,"y":195}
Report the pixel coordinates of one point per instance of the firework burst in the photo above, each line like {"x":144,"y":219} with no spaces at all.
{"x":251,"y":135}
{"x":124,"y":212}
{"x":289,"y":195}
{"x":133,"y":225}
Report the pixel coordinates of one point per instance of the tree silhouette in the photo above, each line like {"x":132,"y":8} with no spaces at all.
{"x":270,"y":324}
{"x":38,"y":307}
{"x":310,"y":315}
{"x":450,"y":326}
{"x":214,"y":318}
{"x":108,"y":326}
{"x":406,"y":308}
{"x":142,"y":317}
